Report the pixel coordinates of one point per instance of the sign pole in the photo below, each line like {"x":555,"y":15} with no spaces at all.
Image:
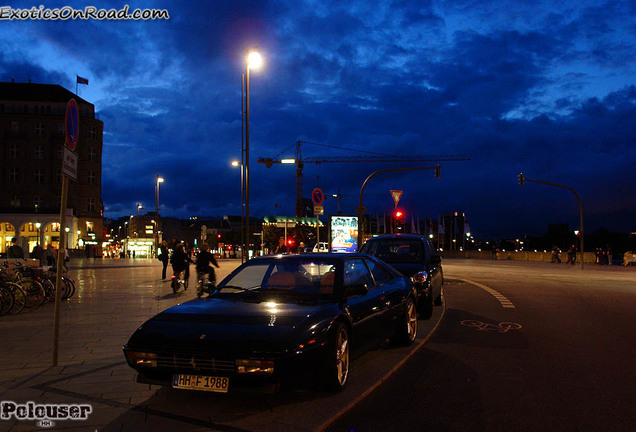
{"x":69,"y":169}
{"x":58,"y":274}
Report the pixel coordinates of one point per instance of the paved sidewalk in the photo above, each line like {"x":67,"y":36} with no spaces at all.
{"x":113,"y":298}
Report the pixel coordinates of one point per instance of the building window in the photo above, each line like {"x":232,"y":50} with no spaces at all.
{"x":39,"y":129}
{"x":31,"y":227}
{"x":60,"y":128}
{"x":91,"y":206}
{"x":91,"y":154}
{"x":13,"y":151}
{"x":91,"y":177}
{"x":90,"y":226}
{"x":55,"y":227}
{"x":60,"y":152}
{"x":16,"y":128}
{"x":39,"y":152}
{"x":15,"y":202}
{"x":14,"y":175}
{"x":37,"y":201}
{"x":92,"y":132}
{"x":39,"y":175}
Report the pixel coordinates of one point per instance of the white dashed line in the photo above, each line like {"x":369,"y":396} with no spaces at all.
{"x":502,"y":298}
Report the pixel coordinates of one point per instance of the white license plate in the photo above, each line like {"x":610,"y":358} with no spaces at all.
{"x":199,"y":382}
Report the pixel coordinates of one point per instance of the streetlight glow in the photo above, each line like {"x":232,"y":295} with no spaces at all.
{"x":254,"y":59}
{"x":159,"y":179}
{"x":236,"y":163}
{"x":288,"y":161}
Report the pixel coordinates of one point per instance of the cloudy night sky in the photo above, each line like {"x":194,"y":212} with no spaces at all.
{"x":524,"y":86}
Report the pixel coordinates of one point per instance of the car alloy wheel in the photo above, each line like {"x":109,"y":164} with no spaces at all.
{"x":338,"y":364}
{"x":407,"y":330}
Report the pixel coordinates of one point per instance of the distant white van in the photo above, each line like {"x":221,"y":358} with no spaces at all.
{"x":321,"y":247}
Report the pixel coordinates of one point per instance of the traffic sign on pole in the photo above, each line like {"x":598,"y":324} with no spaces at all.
{"x":396,"y":194}
{"x":71,"y":124}
{"x":317,"y":196}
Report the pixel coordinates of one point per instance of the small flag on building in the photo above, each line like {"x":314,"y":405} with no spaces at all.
{"x":81,"y":80}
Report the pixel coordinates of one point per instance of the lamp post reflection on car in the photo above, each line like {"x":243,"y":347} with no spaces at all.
{"x":253,"y":60}
{"x":237,"y":163}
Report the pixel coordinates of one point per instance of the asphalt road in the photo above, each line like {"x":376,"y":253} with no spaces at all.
{"x":522,"y":347}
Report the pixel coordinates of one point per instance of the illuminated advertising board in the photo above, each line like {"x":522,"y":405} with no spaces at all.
{"x":343,"y":233}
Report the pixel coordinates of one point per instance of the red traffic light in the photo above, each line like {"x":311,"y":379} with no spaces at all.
{"x":218,"y":235}
{"x":398,"y":214}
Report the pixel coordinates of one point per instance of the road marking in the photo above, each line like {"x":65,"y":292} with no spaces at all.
{"x":502,"y":298}
{"x":502,"y":327}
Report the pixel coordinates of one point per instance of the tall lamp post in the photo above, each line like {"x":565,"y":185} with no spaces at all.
{"x":240,"y":164}
{"x":253,"y":60}
{"x":159,"y":180}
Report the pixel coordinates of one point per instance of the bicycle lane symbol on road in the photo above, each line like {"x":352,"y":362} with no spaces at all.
{"x":502,"y":327}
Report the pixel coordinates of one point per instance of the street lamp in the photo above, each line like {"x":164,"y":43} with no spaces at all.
{"x":253,"y":60}
{"x":237,"y":163}
{"x":37,"y":226}
{"x":159,"y":180}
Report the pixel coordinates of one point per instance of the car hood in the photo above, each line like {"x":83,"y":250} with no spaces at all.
{"x":225,"y":327}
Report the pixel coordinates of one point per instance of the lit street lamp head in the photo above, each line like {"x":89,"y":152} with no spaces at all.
{"x":254,"y":59}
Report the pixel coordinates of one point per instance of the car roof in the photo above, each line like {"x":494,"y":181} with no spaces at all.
{"x":398,"y":237}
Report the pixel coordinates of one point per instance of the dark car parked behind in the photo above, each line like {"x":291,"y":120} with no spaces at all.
{"x":414,"y":257}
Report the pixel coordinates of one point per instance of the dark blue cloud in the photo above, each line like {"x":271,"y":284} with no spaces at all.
{"x":544,"y":89}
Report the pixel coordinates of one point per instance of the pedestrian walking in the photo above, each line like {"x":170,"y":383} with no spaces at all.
{"x":205,"y":271}
{"x":609,"y":255}
{"x":37,"y":253}
{"x":555,"y":255}
{"x":49,"y":255}
{"x":164,"y":256}
{"x":572,"y":255}
{"x":15,"y":251}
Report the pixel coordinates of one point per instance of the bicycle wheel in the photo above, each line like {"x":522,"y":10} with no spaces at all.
{"x":6,"y":300}
{"x":69,"y":289}
{"x":34,"y":292}
{"x":49,"y":290}
{"x":19,"y":298}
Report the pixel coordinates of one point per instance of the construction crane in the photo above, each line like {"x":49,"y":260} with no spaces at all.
{"x":300,"y":162}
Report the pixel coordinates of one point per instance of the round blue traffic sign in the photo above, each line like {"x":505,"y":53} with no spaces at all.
{"x":71,"y":124}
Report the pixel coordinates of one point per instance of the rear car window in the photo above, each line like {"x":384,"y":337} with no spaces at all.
{"x":396,"y":250}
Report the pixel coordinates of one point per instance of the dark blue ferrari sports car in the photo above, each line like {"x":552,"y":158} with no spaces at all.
{"x":276,"y":318}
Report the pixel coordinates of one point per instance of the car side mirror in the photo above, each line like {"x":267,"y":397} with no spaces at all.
{"x":354,"y":290}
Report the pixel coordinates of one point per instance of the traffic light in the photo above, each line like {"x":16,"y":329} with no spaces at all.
{"x":437,"y":169}
{"x":400,"y":220}
{"x":521,"y":179}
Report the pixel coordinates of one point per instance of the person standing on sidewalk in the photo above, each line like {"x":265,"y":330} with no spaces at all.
{"x":163,"y":256}
{"x":15,"y":251}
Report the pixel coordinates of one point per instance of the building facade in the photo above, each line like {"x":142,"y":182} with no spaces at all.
{"x":32,"y":146}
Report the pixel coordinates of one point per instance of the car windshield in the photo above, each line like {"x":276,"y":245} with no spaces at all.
{"x":284,"y":277}
{"x":396,"y":250}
